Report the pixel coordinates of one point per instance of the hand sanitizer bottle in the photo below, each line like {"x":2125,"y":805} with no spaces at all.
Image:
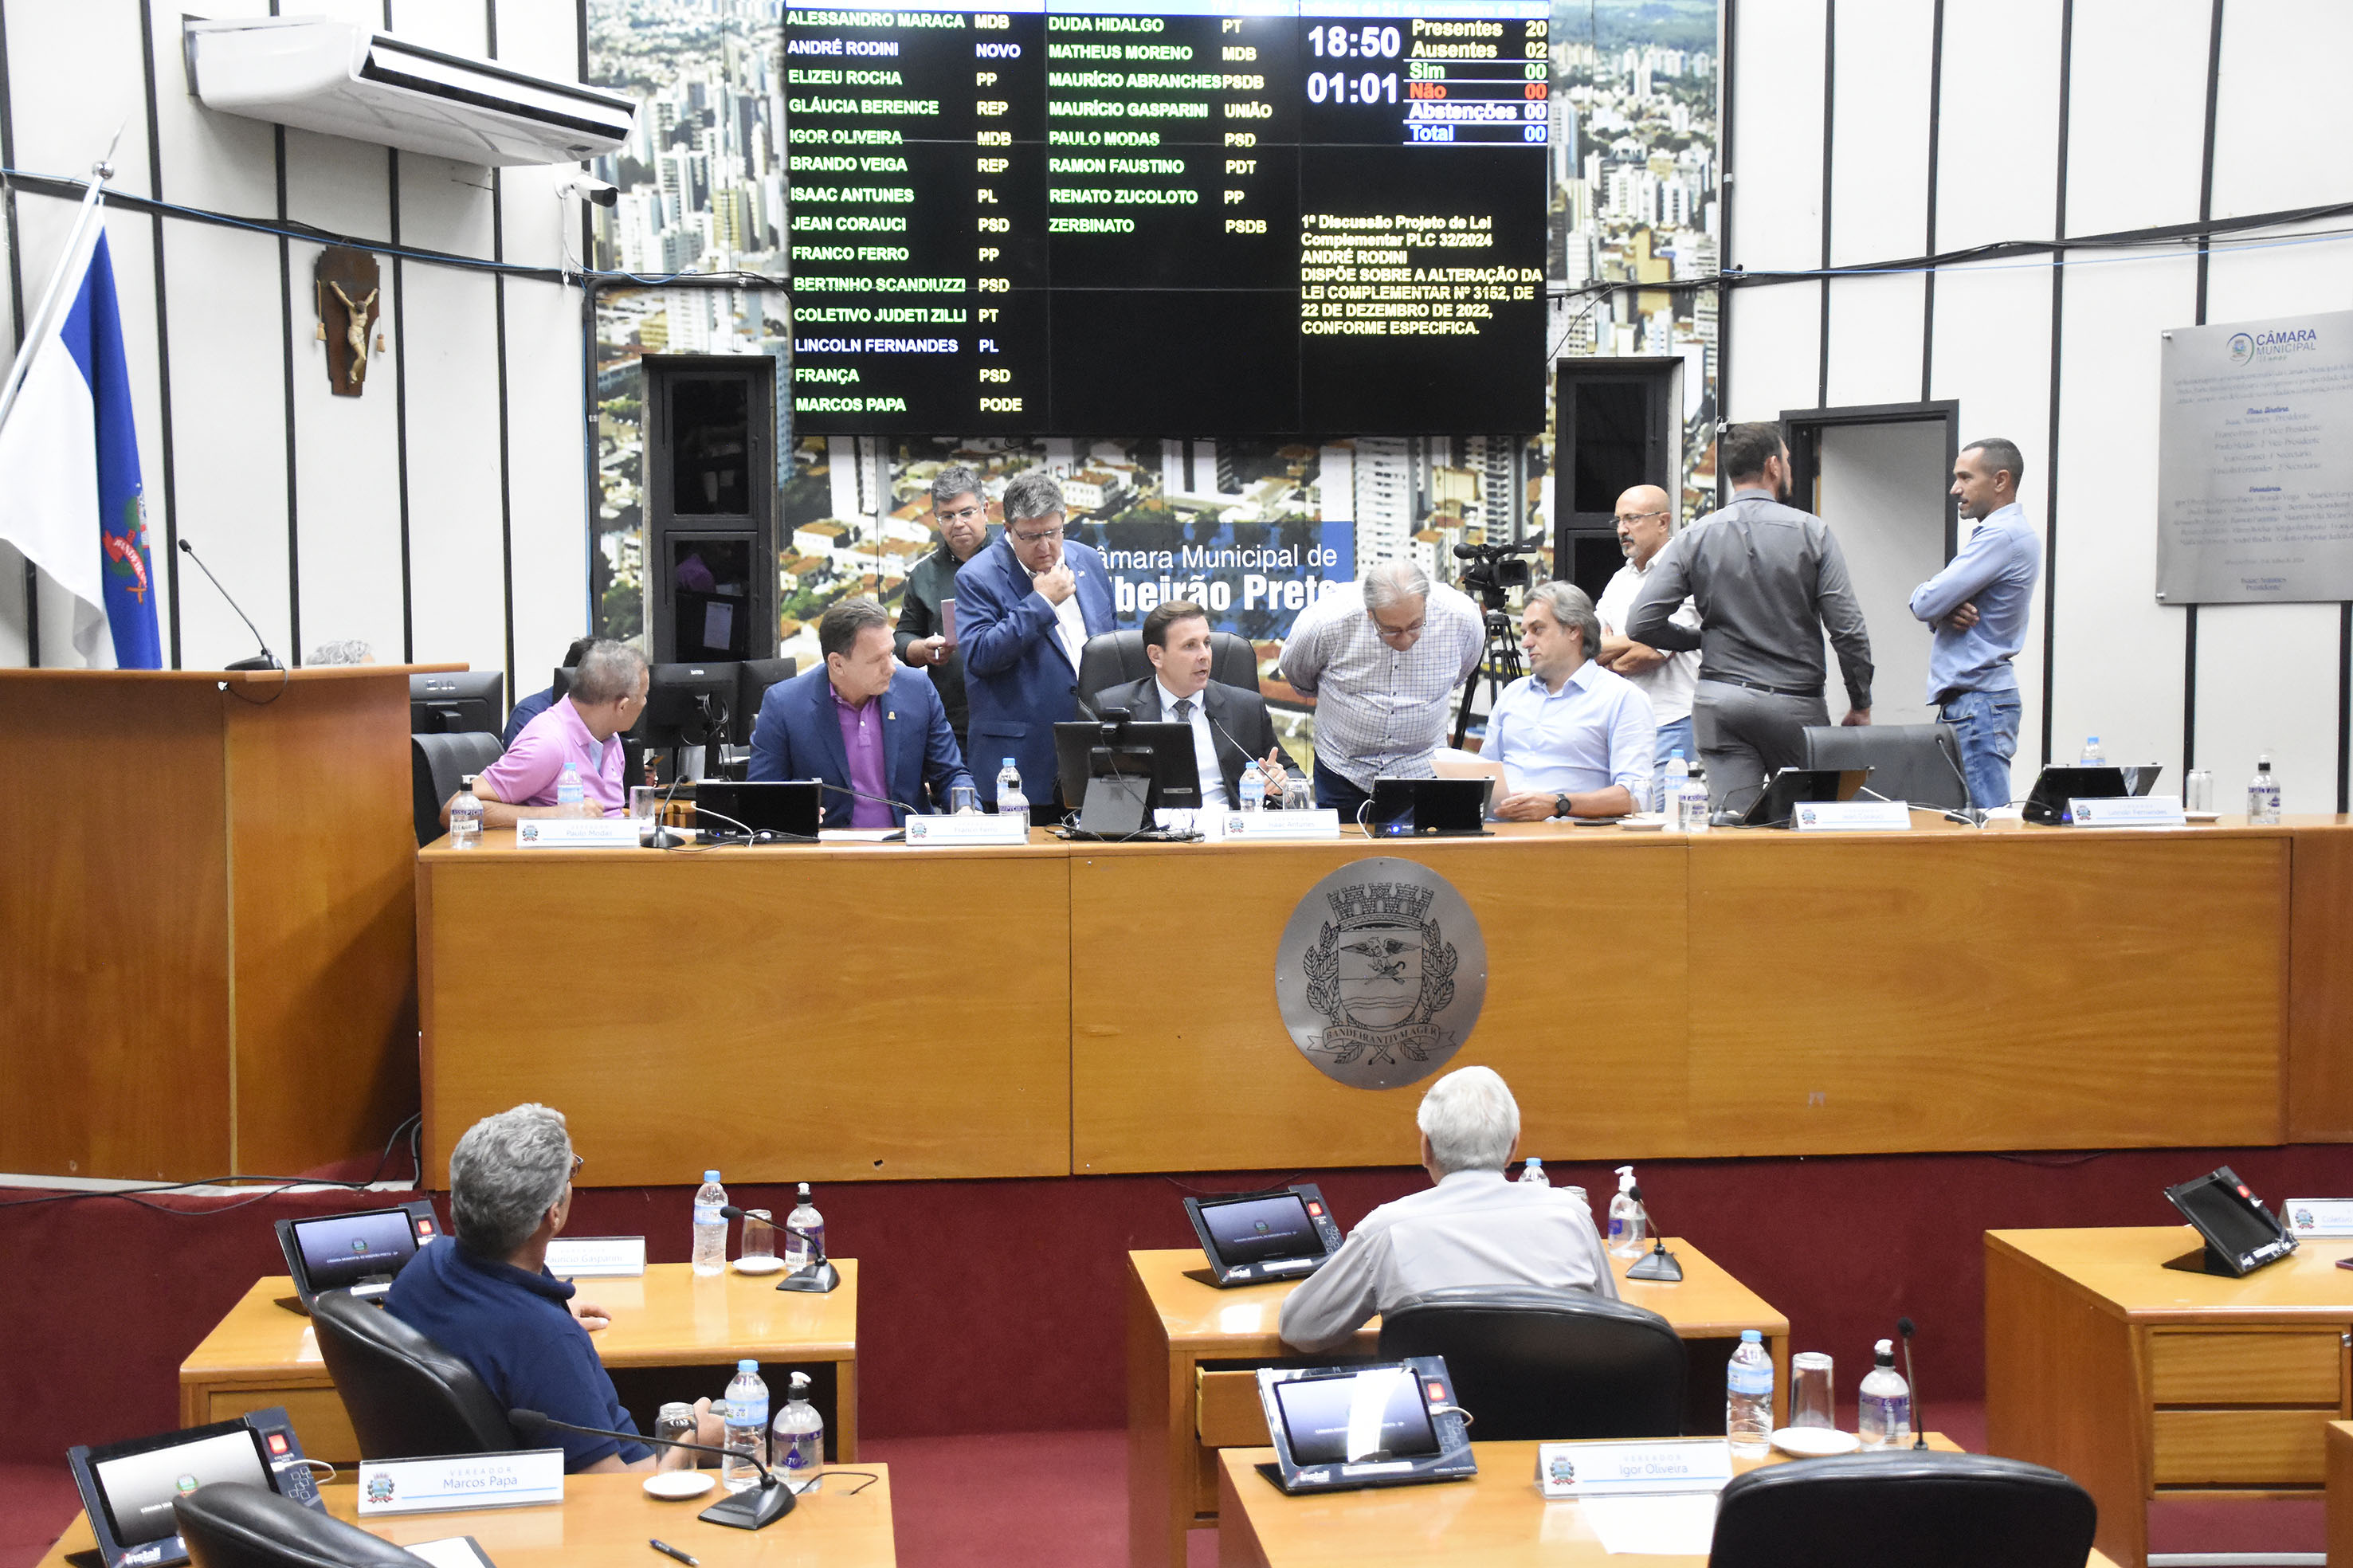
{"x":1627,"y":1221}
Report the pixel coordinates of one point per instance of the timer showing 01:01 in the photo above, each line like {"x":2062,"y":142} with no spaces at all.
{"x":1371,"y":43}
{"x":1339,"y":86}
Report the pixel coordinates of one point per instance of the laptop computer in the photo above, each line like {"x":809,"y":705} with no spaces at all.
{"x":1337,"y":1428}
{"x":2046,"y":803}
{"x":1250,"y":1237}
{"x":1792,"y":786}
{"x":360,"y":1252}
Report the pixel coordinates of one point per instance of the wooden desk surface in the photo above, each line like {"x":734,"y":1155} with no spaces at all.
{"x":2121,"y":1271}
{"x":1495,"y":1520}
{"x":605,"y":1520}
{"x":668,"y":1318}
{"x":1242,"y":1323}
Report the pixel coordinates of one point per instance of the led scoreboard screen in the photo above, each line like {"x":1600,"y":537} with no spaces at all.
{"x":1174,"y":216}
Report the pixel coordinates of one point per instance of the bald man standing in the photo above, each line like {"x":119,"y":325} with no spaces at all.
{"x":1646,"y":521}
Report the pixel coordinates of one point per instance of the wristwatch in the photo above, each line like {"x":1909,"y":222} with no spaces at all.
{"x":1560,"y":806}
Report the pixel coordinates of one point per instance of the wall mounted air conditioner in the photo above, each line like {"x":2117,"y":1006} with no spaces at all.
{"x":346,"y":80}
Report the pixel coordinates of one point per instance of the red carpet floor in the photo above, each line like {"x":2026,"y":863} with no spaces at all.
{"x":1059,"y":1499}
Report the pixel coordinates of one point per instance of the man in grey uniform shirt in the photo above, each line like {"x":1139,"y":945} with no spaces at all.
{"x":1768,"y":580}
{"x":1472,"y":1228}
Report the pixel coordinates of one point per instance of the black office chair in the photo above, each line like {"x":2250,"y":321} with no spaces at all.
{"x":408,"y":1397}
{"x":1115,"y":658}
{"x":1916,"y":762}
{"x":231,"y":1525}
{"x":436,"y":763}
{"x":1530,"y":1363}
{"x":1920,"y":1508}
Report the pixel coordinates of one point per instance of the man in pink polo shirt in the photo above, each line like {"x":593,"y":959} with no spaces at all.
{"x":583,"y":728}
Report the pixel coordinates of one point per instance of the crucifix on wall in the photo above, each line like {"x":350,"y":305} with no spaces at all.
{"x":347,"y":289}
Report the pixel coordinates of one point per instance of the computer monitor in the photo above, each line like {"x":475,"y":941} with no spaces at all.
{"x":469,"y":702}
{"x":1444,"y":809}
{"x":1161,"y":755}
{"x":753,"y":678}
{"x":687,"y":705}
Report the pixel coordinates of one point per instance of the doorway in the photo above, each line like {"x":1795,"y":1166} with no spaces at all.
{"x":1879,"y":476}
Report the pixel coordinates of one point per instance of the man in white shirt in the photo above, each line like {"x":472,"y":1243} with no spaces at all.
{"x":1646,"y":521}
{"x":1570,"y":738}
{"x":1231,"y":724}
{"x":1382,"y":657}
{"x":1472,"y":1228}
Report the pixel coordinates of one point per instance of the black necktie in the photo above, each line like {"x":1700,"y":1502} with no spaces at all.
{"x":1184,"y":710}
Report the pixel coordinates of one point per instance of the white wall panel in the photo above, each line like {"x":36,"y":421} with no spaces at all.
{"x":1997,"y":151}
{"x":2137,"y":113}
{"x":455,"y":537}
{"x":1879,"y":125}
{"x":1777,"y":350}
{"x":12,"y":649}
{"x":2278,"y":140}
{"x":221,"y":161}
{"x":1882,"y":492}
{"x":2119,"y":654}
{"x":1776,"y":166}
{"x":1874,"y":324}
{"x":541,"y":36}
{"x":544,"y":432}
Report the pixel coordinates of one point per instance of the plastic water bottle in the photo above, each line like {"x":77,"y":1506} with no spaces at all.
{"x":1628,"y":1222}
{"x":1009,"y":798}
{"x":800,"y":1447}
{"x":748,"y":1428}
{"x":1748,"y":1398}
{"x":709,"y":1254}
{"x":2093,"y":757}
{"x":466,"y":816}
{"x":1885,"y":1418}
{"x":804,"y":1234}
{"x":1691,"y":810}
{"x":568,"y":789}
{"x":1670,"y":793}
{"x":1533,"y":1173}
{"x":2263,"y":794}
{"x":1253,"y":787}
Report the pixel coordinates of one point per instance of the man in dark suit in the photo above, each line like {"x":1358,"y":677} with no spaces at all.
{"x":863,"y":722}
{"x":1025,"y":607}
{"x":1230,"y":723}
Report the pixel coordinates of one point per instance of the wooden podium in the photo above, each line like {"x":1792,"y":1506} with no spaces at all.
{"x":208,"y":939}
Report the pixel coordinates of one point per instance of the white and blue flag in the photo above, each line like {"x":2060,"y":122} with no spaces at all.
{"x":69,"y":491}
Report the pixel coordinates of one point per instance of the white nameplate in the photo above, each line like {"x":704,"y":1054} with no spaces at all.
{"x":461,"y":1480}
{"x":597,"y":1257}
{"x":1632,"y":1470}
{"x":576,"y":833}
{"x":1850,"y":816}
{"x":2319,"y":1219}
{"x":1272,"y":827}
{"x":979,"y":829}
{"x":2129,"y":811}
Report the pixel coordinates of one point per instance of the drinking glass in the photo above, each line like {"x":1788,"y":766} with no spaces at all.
{"x":676,"y":1422}
{"x":1809,"y":1390}
{"x":645,"y":803}
{"x":1297,"y":796}
{"x":2198,"y":791}
{"x":759,"y":1234}
{"x":963,"y":800}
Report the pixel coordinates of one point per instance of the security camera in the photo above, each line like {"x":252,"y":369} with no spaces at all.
{"x":589,"y":190}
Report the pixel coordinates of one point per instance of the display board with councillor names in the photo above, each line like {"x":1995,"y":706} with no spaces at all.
{"x":1183,"y":217}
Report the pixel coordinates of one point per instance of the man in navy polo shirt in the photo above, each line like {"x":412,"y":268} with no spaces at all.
{"x":486,"y":1296}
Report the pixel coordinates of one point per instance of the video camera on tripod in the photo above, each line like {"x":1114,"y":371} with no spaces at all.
{"x":1495,"y":570}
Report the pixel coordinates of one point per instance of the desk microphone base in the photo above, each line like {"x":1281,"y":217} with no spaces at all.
{"x":754,"y":1508}
{"x":1659,"y":1265}
{"x":818,"y":1280}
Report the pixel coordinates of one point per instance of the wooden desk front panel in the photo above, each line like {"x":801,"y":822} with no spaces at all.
{"x":1995,"y":991}
{"x":784,"y":1015}
{"x":1179,"y":1061}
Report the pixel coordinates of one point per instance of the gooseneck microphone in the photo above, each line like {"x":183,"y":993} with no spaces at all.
{"x":265,"y":660}
{"x":1904,"y":1329}
{"x":754,"y":1508}
{"x":817,"y":1276}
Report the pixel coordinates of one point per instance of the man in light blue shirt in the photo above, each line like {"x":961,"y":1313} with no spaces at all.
{"x":1574,"y":739}
{"x":1977,"y":607}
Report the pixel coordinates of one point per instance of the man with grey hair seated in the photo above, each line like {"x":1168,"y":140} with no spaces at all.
{"x":581,"y":730}
{"x":1382,"y":658}
{"x":1571,"y":738}
{"x":486,"y":1296}
{"x":1472,"y":1228}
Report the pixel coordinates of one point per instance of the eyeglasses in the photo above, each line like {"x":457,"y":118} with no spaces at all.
{"x":963,"y":513}
{"x":578,"y":1161}
{"x":1041,"y":536}
{"x":1413,"y":630}
{"x":1638,"y":516}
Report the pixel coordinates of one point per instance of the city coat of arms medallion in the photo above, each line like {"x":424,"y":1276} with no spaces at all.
{"x":1380,"y":973}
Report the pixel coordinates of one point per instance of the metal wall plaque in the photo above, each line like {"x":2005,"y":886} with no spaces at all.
{"x":2255,"y":480}
{"x":1380,"y":973}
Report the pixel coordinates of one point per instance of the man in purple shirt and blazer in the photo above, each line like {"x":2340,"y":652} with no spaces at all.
{"x":862,"y":723}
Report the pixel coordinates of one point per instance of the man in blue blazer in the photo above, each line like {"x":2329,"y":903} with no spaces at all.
{"x":863,"y":722}
{"x":1025,"y":608}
